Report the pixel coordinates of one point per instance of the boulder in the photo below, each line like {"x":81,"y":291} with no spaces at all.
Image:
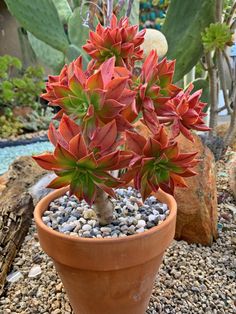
{"x":232,"y":175}
{"x":197,"y":205}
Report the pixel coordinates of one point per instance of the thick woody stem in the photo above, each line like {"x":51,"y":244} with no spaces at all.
{"x":213,"y":93}
{"x":219,"y":58}
{"x":103,"y":208}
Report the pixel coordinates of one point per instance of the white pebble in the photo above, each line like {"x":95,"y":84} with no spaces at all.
{"x":86,"y":227}
{"x":141,"y":223}
{"x":152,"y":217}
{"x":105,"y":229}
{"x":35,"y":271}
{"x":140,"y":230}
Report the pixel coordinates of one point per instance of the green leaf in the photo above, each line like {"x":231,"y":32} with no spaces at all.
{"x":19,"y":83}
{"x":134,"y":15}
{"x":7,"y":85}
{"x":40,"y":17}
{"x":185,"y":21}
{"x":63,"y":9}
{"x":216,"y":36}
{"x":16,"y":63}
{"x":78,"y":33}
{"x":204,"y":85}
{"x":46,"y":54}
{"x":8,"y":94}
{"x":74,"y":52}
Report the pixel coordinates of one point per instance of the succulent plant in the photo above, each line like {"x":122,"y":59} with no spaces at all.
{"x":97,"y":132}
{"x":216,"y":36}
{"x":121,"y":40}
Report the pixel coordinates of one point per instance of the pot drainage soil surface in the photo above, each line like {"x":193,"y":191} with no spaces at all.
{"x":70,"y":216}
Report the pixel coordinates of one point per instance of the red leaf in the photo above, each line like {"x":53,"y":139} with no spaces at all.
{"x":105,"y":136}
{"x":135,"y":142}
{"x":107,"y":70}
{"x":108,"y":162}
{"x":95,"y":81}
{"x":152,"y":148}
{"x":68,"y":128}
{"x":116,"y":87}
{"x":47,"y":161}
{"x":88,"y":162}
{"x":77,"y":146}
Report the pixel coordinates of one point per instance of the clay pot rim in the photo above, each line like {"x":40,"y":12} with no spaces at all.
{"x":42,"y":206}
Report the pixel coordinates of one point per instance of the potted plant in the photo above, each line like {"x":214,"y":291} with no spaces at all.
{"x":98,"y":149}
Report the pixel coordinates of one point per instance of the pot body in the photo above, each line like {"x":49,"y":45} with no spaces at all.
{"x":107,"y":276}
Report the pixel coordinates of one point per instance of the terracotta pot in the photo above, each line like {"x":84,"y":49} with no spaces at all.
{"x":107,"y":276}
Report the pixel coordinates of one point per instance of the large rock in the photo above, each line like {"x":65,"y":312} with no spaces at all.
{"x":197,"y":205}
{"x":232,"y":174}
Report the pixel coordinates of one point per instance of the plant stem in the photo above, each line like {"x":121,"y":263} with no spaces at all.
{"x":103,"y":208}
{"x":109,"y":11}
{"x":218,"y":12}
{"x":130,"y":3}
{"x":213,"y":93}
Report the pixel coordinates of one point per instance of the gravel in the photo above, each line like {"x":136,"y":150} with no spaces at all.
{"x":70,"y":216}
{"x":193,"y":279}
{"x":9,"y":154}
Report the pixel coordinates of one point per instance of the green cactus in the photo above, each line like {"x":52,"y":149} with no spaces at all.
{"x":185,"y":21}
{"x":40,"y":17}
{"x":78,"y":34}
{"x":203,"y":84}
{"x":49,"y":56}
{"x":134,"y":15}
{"x":63,"y":9}
{"x":73,"y":52}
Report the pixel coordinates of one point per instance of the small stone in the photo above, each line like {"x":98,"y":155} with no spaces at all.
{"x":66,"y":228}
{"x":141,"y":223}
{"x":46,"y":219}
{"x":140,"y":230}
{"x":87,"y":234}
{"x":82,"y":220}
{"x":14,"y":277}
{"x":89,"y":213}
{"x":86,"y":227}
{"x":35,"y":271}
{"x":59,"y":287}
{"x":152,"y":217}
{"x":105,"y":229}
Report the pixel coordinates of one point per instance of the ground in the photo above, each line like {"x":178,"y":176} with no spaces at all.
{"x":192,"y":279}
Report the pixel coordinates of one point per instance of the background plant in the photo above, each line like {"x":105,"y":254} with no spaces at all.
{"x":19,"y":89}
{"x":57,"y":29}
{"x":216,"y":40}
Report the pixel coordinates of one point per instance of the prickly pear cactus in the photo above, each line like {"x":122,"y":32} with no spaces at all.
{"x":73,"y":52}
{"x":63,"y":9}
{"x":49,"y":56}
{"x":134,"y":15}
{"x":78,"y":33}
{"x":185,"y":20}
{"x":40,"y":17}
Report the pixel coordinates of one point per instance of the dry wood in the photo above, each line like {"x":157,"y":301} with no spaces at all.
{"x":16,"y":210}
